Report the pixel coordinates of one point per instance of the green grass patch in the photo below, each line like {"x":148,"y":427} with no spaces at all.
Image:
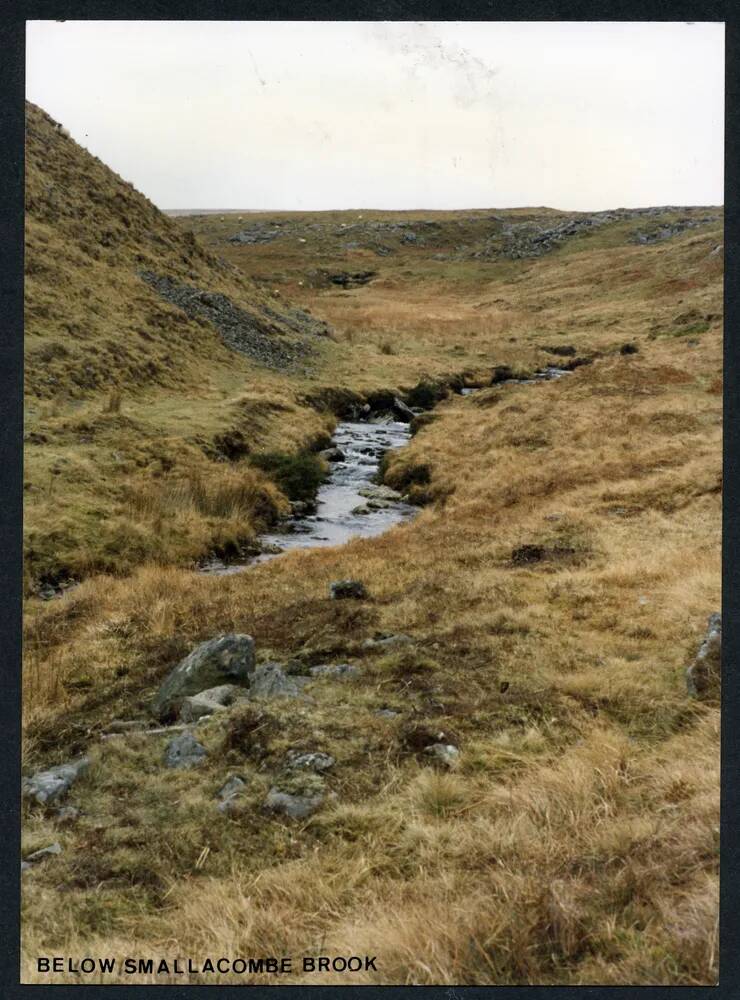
{"x":297,"y":475}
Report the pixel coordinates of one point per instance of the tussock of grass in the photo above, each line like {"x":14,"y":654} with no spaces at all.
{"x":298,"y":476}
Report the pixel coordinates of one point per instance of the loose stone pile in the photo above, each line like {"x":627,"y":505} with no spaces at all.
{"x":261,"y":336}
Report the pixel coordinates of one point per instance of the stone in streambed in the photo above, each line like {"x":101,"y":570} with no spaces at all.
{"x":401,"y":411}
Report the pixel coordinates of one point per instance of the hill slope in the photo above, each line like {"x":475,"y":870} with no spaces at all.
{"x":141,"y":348}
{"x":93,"y":243}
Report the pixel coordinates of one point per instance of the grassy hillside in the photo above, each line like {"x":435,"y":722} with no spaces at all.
{"x":576,"y":842}
{"x":126,"y":393}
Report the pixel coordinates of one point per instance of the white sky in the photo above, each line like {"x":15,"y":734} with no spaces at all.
{"x":317,"y":115}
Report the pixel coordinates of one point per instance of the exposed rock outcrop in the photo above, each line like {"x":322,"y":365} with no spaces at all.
{"x":227,"y":659}
{"x":256,"y":334}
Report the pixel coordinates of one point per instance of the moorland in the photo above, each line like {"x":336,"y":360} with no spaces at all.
{"x":183,"y":375}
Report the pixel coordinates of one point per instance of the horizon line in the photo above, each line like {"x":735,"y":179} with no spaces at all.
{"x":512,"y":208}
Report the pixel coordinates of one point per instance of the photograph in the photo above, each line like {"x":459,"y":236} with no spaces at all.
{"x":372,"y":503}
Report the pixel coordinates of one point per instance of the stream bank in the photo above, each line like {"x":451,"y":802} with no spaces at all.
{"x":352,"y":503}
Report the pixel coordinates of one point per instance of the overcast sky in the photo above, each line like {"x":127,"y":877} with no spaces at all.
{"x":316,"y":115}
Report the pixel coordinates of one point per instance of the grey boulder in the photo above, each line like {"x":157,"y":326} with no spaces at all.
{"x":271,"y":681}
{"x":293,"y":806}
{"x":227,"y":659}
{"x":229,"y":795}
{"x":48,"y":786}
{"x":703,"y":675}
{"x":208,"y":702}
{"x":184,"y":751}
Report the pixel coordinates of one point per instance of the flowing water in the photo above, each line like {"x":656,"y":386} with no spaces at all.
{"x":349,"y":504}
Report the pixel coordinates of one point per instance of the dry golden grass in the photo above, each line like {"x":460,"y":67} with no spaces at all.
{"x":577,"y":841}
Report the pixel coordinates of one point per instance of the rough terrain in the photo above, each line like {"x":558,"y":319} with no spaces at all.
{"x":482,"y":746}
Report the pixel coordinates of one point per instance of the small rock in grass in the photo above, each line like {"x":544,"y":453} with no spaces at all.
{"x":293,"y":806}
{"x":230,"y":794}
{"x":315,"y":761}
{"x":48,"y":786}
{"x":387,"y":642}
{"x":184,"y":751}
{"x":44,"y":853}
{"x":126,"y":725}
{"x":444,"y":753}
{"x":208,"y":702}
{"x":343,"y":671}
{"x":67,"y":814}
{"x":232,"y":786}
{"x":703,"y":675}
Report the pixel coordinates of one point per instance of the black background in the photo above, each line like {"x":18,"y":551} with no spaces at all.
{"x":12,"y":86}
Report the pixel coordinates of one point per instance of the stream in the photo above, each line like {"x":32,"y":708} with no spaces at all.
{"x":350,"y":504}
